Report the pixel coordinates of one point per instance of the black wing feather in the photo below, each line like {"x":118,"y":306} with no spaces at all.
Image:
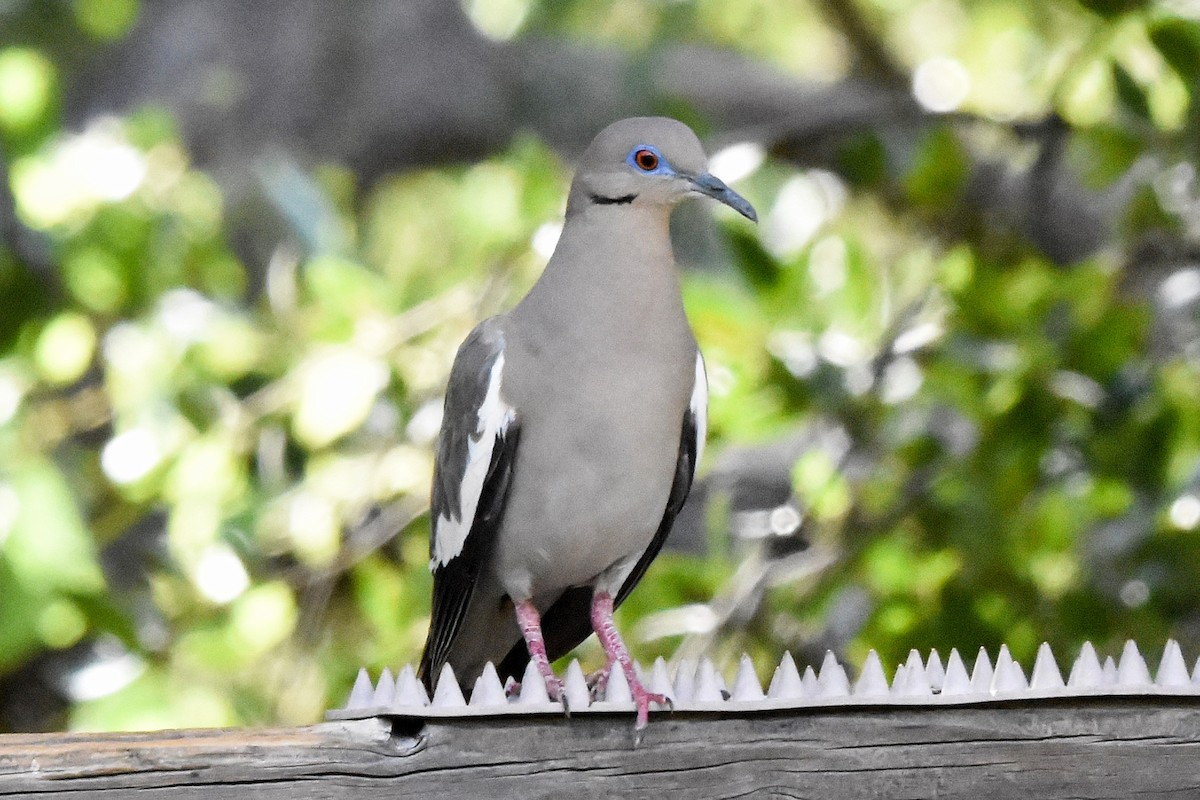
{"x":454,"y":582}
{"x":568,"y":621}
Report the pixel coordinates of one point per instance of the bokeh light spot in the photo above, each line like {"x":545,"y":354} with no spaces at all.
{"x":941,"y":84}
{"x":220,"y":575}
{"x":130,"y":456}
{"x":106,"y":19}
{"x":1185,"y":512}
{"x":26,"y":84}
{"x":65,"y":348}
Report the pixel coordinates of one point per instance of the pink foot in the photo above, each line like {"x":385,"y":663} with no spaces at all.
{"x":530,"y":623}
{"x":610,"y":638}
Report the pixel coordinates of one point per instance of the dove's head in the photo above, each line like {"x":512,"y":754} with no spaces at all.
{"x":648,"y":161}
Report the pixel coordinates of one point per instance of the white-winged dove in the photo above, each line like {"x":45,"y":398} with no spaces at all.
{"x":573,"y":425}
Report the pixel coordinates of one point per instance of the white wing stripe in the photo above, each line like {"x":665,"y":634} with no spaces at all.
{"x":699,"y":406}
{"x":494,"y":417}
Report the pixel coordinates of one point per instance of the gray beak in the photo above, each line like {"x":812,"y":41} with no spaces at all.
{"x":715,"y":188}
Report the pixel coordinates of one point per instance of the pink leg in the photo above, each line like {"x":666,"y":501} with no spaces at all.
{"x":530,"y":623}
{"x":606,"y":630}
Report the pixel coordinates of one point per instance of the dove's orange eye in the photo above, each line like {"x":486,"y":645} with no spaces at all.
{"x":646,"y":159}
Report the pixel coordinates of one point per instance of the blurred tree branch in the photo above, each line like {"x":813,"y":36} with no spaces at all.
{"x":875,"y":61}
{"x":397,"y":86}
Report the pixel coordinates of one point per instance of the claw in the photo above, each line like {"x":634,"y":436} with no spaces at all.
{"x":558,"y":693}
{"x":643,"y":699}
{"x":598,"y":681}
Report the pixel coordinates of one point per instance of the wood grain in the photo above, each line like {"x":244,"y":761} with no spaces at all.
{"x":1142,"y":747}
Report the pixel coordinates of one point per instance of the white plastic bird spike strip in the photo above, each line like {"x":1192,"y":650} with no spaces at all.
{"x":702,"y":688}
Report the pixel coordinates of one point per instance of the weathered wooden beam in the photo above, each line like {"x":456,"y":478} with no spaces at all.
{"x":1095,"y":747}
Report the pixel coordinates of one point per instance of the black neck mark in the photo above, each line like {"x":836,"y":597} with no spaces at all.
{"x":623,"y":200}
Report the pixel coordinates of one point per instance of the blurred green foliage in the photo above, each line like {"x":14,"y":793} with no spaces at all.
{"x":213,"y":474}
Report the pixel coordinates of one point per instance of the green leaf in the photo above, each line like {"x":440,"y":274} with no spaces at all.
{"x":753,"y":260}
{"x":862,"y":160}
{"x":18,"y":620}
{"x":1178,"y":41}
{"x":939,"y":170}
{"x":1113,"y":8}
{"x":49,"y":547}
{"x":1101,"y":154}
{"x":1130,"y":93}
{"x":817,"y":481}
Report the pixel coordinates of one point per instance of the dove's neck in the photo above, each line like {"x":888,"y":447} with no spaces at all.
{"x":612,"y":274}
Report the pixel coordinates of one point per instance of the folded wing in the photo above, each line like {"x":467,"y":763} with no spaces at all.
{"x":472,"y":475}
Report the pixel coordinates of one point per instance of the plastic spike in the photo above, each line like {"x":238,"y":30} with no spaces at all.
{"x":916,"y":681}
{"x":809,"y":681}
{"x":721,"y":684}
{"x":1172,"y":671}
{"x":1003,"y":660}
{"x":1086,"y":672}
{"x":786,"y":683}
{"x":1046,"y":675}
{"x":660,"y":679}
{"x":479,"y":693}
{"x":916,"y":666}
{"x":1019,"y":675}
{"x":871,"y":680}
{"x":899,"y":679}
{"x":385,"y":690}
{"x":362,"y":693}
{"x":935,"y":671}
{"x":708,"y":683}
{"x":1008,"y":676}
{"x":832,"y":680}
{"x":685,"y":680}
{"x":982,"y":673}
{"x":533,"y":687}
{"x":617,"y":691}
{"x":1132,"y":670}
{"x":410,"y":693}
{"x":957,"y":681}
{"x":745,"y":684}
{"x":488,"y":691}
{"x":447,"y":693}
{"x":1109,"y":672}
{"x":777,"y":676}
{"x":575,"y":688}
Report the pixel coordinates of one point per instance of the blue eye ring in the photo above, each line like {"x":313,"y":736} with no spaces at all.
{"x":646,"y":159}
